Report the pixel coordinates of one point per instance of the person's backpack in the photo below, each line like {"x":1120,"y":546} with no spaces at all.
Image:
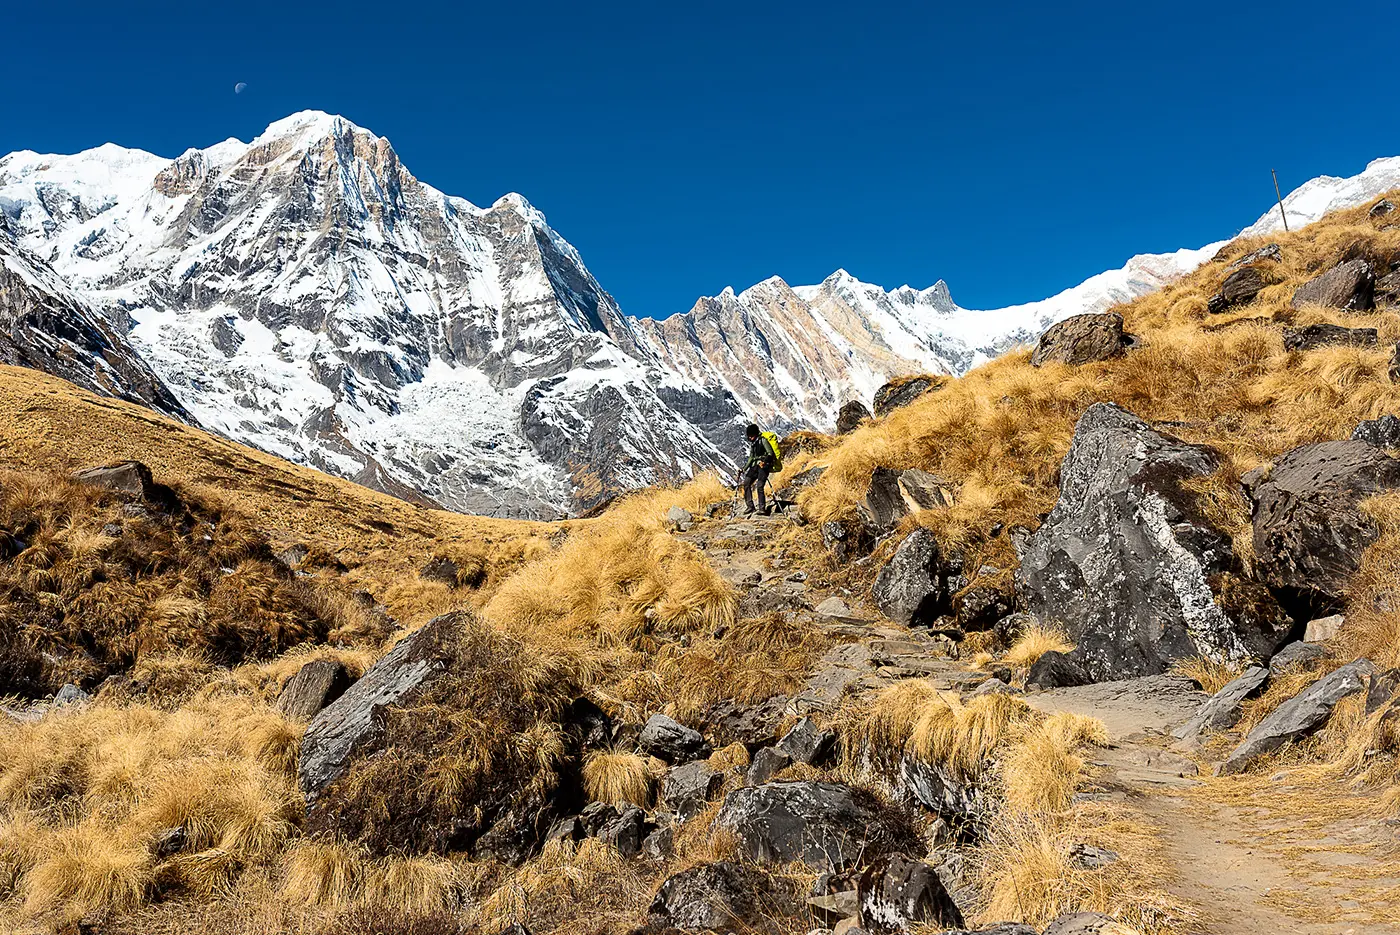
{"x":772,"y":441}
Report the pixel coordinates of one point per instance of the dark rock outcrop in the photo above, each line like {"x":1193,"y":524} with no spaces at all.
{"x":1309,"y":534}
{"x":688,"y":787}
{"x":1381,"y":208}
{"x":753,"y":725}
{"x":893,"y":495}
{"x":1269,"y":253}
{"x":850,"y":417}
{"x":1383,"y":432}
{"x":825,"y":825}
{"x":1299,"y":716}
{"x":805,"y":742}
{"x":1349,"y":285}
{"x":896,"y":893}
{"x":1222,"y":711}
{"x":668,"y":740}
{"x":897,"y":394}
{"x":131,"y":478}
{"x":911,"y":588}
{"x":1309,"y":337}
{"x":1057,"y":670}
{"x":715,"y":897}
{"x":1127,"y":561}
{"x":1239,"y":288}
{"x":1082,"y":339}
{"x":314,"y":686}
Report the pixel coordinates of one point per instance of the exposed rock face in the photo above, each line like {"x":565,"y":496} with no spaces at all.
{"x":131,"y":478}
{"x":893,"y":495}
{"x":315,"y":685}
{"x":714,"y":897}
{"x":1269,"y":253}
{"x":897,"y":893}
{"x":1239,"y":288}
{"x":688,"y":787}
{"x":805,"y":742}
{"x":850,"y":417}
{"x":1222,"y":711}
{"x":1082,"y":339}
{"x":668,"y":740}
{"x":825,"y":825}
{"x":1057,"y":670}
{"x":1126,"y":561}
{"x":1381,"y":208}
{"x":349,"y":723}
{"x":1299,"y":716}
{"x":898,"y":394}
{"x":1383,"y":432}
{"x":911,"y":588}
{"x":48,"y":326}
{"x":1349,"y":285}
{"x":1309,"y":337}
{"x":1309,"y":534}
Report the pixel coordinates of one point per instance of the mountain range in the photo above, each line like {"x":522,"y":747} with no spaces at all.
{"x":306,"y":294}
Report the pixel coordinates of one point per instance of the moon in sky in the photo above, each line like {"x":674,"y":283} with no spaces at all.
{"x":239,"y":88}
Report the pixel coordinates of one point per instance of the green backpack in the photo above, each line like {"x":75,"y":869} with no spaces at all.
{"x":772,"y":441}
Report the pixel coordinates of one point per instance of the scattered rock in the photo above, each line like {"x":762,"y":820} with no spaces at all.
{"x":1388,"y":290}
{"x":1382,"y":433}
{"x":910,"y":589}
{"x":883,"y":505}
{"x":169,"y":842}
{"x":754,"y":725}
{"x":131,"y":478}
{"x":1381,"y":208}
{"x":1309,"y":533}
{"x":897,"y":394}
{"x":1393,"y":371}
{"x":668,"y":740}
{"x":839,"y":667}
{"x":1084,"y":923}
{"x":921,"y":490}
{"x":70,"y":694}
{"x":799,"y":482}
{"x":1057,"y":670}
{"x":1323,"y":628}
{"x":994,"y":686}
{"x":826,"y":825}
{"x":1349,"y":285}
{"x":717,"y":896}
{"x":831,"y":908}
{"x":680,"y":518}
{"x":841,"y":541}
{"x":1296,"y":654}
{"x":807,"y":743}
{"x":314,"y":686}
{"x":833,"y":607}
{"x":850,"y":417}
{"x":349,"y":721}
{"x":1299,"y":716}
{"x":1127,"y":559}
{"x":897,"y":893}
{"x":625,"y":832}
{"x":293,"y":555}
{"x":687,"y":788}
{"x":441,"y":568}
{"x":1082,"y":339}
{"x":980,"y":607}
{"x":1222,"y":711}
{"x":1267,"y":253}
{"x":660,"y":844}
{"x":767,"y":763}
{"x":1314,"y":336}
{"x":1239,"y":288}
{"x":1089,"y":857}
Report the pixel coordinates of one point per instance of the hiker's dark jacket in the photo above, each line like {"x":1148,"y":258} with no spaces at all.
{"x":760,"y":454}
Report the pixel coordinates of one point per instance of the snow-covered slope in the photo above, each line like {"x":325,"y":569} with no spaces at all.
{"x":306,"y":294}
{"x":1311,"y":200}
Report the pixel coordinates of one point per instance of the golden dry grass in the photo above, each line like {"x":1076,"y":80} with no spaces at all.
{"x":1035,"y":642}
{"x":617,"y":777}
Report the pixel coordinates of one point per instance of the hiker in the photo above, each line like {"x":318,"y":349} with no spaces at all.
{"x":764,"y":459}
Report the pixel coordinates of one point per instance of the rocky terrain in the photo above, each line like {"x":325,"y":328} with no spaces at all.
{"x":306,"y":294}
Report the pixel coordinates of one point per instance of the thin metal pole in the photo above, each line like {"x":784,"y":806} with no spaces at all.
{"x":1283,"y":214}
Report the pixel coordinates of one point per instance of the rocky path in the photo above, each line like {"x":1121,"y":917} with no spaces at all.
{"x":1237,"y":866}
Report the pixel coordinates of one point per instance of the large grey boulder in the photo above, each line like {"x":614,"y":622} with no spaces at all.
{"x":687,"y":788}
{"x":1349,"y":285}
{"x":665,"y":739}
{"x":897,"y":893}
{"x":826,"y":825}
{"x":897,"y":394}
{"x":314,"y":686}
{"x":350,"y":721}
{"x":1082,"y":339}
{"x":1222,"y":711}
{"x":711,"y":897}
{"x":1299,"y":716}
{"x":131,"y":478}
{"x":911,"y":589}
{"x":1309,"y":533}
{"x":1239,"y":288}
{"x":1127,"y":563}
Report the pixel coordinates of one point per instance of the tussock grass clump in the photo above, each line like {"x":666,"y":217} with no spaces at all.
{"x":1042,"y":769}
{"x":617,"y":777}
{"x":89,"y":589}
{"x":1035,"y":642}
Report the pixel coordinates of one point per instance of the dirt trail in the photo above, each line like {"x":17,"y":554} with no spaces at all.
{"x":1236,"y":866}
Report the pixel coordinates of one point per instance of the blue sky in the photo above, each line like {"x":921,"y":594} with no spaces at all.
{"x":1011,"y":149}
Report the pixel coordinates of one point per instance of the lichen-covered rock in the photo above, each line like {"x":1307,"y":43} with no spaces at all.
{"x":1349,"y":285}
{"x":1308,"y":337}
{"x":1383,"y":432}
{"x":899,"y":393}
{"x":718,"y":897}
{"x":1300,"y":715}
{"x":1082,"y":339}
{"x":850,"y":417}
{"x":1223,"y":709}
{"x":825,"y":825}
{"x":669,"y":740}
{"x":1127,"y":562}
{"x":1239,"y":288}
{"x":897,"y":893}
{"x":314,"y":686}
{"x":911,"y":588}
{"x":1309,"y":533}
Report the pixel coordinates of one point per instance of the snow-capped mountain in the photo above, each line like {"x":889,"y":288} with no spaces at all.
{"x":306,"y":294}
